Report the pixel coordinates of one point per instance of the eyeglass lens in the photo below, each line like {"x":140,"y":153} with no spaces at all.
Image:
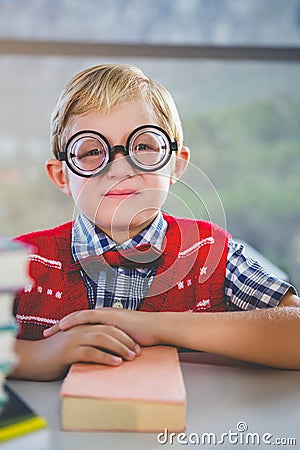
{"x":88,"y":153}
{"x":147,"y":149}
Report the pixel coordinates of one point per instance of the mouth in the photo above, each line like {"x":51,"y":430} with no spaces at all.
{"x":120,"y":193}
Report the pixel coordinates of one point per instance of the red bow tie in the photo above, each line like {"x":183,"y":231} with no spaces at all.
{"x":144,"y":255}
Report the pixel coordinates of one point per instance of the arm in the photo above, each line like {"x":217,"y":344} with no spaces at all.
{"x":269,"y":336}
{"x":49,"y":359}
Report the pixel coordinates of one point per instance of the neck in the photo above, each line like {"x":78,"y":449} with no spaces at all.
{"x":121,"y":235}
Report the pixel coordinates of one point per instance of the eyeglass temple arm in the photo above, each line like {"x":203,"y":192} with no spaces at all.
{"x":174,"y":146}
{"x":62,"y":156}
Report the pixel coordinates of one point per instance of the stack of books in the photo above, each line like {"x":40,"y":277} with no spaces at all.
{"x":18,"y":419}
{"x":13,"y":277}
{"x":16,"y":416}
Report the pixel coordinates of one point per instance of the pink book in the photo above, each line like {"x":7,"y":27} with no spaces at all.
{"x":146,"y":394}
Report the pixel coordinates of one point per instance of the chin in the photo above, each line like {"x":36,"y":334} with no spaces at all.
{"x":124,"y":223}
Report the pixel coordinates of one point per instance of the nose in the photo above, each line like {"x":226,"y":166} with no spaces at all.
{"x":120,"y":166}
{"x":117,"y":149}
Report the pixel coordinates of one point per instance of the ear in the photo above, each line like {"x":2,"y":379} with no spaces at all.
{"x":56,"y":174}
{"x":181,"y":163}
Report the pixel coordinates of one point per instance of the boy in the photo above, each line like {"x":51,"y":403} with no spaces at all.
{"x":118,"y":147}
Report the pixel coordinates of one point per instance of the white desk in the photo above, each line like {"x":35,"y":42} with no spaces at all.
{"x":220,"y":393}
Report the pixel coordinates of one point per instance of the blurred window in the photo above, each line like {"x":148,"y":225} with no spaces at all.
{"x":240,"y":118}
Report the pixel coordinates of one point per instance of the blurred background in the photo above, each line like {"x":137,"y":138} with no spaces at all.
{"x":233,"y":70}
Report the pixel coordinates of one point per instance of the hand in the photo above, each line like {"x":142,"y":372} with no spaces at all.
{"x":49,"y":359}
{"x":140,"y":326}
{"x":101,"y":344}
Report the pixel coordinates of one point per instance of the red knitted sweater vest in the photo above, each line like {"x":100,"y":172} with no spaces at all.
{"x":190,"y":277}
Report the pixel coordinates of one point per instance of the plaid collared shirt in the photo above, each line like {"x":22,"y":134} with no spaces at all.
{"x":118,"y":286}
{"x":247,"y":284}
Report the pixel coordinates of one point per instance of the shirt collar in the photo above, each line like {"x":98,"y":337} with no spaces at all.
{"x":88,"y":240}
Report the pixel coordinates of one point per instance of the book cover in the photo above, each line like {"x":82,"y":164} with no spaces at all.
{"x":4,"y":370}
{"x":7,"y":342}
{"x":6,"y":308}
{"x":13,"y":263}
{"x":7,"y":354}
{"x":13,"y":277}
{"x":17,"y":418}
{"x":147,"y":394}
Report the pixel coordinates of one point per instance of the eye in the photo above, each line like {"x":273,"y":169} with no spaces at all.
{"x":143,"y":147}
{"x":93,"y":152}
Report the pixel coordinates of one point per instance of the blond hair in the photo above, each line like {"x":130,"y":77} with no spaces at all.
{"x":104,"y":86}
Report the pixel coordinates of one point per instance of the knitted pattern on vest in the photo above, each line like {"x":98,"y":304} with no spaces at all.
{"x":190,"y":277}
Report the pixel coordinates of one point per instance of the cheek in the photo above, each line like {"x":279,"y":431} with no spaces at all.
{"x":83,"y":193}
{"x":156,"y":188}
{"x":78,"y":187}
{"x":157,"y":180}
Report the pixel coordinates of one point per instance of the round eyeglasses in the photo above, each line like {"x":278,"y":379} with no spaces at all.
{"x":87,"y":153}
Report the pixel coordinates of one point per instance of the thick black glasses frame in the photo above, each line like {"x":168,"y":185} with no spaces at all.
{"x":112,"y":151}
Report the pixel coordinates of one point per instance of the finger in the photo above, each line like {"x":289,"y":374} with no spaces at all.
{"x":111,"y":340}
{"x":71,"y":320}
{"x":52,"y":330}
{"x":80,"y":318}
{"x":89,"y":354}
{"x":122,"y":337}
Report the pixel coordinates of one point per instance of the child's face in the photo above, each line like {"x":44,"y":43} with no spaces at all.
{"x":122,"y":200}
